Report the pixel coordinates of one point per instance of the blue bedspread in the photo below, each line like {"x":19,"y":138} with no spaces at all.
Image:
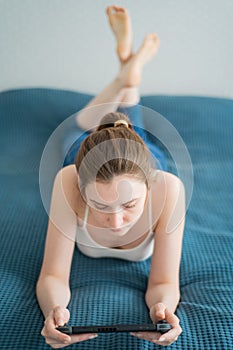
{"x":108,"y":290}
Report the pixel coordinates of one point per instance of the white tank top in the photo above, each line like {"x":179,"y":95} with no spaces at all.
{"x":91,"y":248}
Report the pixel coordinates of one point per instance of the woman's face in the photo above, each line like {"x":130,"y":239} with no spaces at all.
{"x":117,"y":205}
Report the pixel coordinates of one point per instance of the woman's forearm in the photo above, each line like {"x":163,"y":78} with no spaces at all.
{"x":52,"y":292}
{"x":168,"y":294}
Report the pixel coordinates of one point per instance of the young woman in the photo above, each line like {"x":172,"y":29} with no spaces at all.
{"x":112,"y":203}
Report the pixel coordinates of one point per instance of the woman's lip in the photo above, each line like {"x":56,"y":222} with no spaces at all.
{"x":120,"y":229}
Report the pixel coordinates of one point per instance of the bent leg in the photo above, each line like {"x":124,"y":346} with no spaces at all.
{"x":73,"y":135}
{"x":110,"y":98}
{"x":121,"y":91}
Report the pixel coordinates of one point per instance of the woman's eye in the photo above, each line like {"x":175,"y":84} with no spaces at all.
{"x":129,"y":206}
{"x":126,"y":206}
{"x":100,"y":207}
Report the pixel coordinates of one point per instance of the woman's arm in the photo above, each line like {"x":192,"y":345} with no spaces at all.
{"x":53,"y":291}
{"x":53,"y":284}
{"x":163,"y":293}
{"x":163,"y":283}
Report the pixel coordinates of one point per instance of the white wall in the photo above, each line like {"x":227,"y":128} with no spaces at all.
{"x":68,"y":44}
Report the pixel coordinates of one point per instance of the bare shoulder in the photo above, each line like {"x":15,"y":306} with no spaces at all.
{"x":67,"y":181}
{"x":68,"y":173}
{"x":168,"y":178}
{"x":168,"y":197}
{"x":166,"y":183}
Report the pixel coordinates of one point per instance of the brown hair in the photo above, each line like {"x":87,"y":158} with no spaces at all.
{"x":113,"y":149}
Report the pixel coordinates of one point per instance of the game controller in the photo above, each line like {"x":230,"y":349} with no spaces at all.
{"x":161,"y":326}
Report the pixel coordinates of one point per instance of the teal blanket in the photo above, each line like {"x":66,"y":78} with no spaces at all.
{"x":107,"y":290}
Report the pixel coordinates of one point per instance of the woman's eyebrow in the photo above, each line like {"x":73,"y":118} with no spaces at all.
{"x":132,"y":200}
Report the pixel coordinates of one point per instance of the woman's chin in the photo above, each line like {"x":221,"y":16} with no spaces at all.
{"x":121,"y":231}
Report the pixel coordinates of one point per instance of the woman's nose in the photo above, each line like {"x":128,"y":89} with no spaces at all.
{"x":116,"y":219}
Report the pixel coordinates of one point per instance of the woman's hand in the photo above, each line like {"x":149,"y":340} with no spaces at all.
{"x":159,"y":312}
{"x":58,"y":317}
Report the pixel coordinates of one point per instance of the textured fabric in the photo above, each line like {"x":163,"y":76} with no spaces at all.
{"x":109,"y":290}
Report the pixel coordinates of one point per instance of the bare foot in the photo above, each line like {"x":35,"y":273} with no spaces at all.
{"x":131,"y":72}
{"x":121,"y":25}
{"x":148,"y":48}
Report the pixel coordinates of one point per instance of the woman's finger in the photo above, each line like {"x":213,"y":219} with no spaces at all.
{"x":157,"y":312}
{"x":176,"y":329}
{"x":50,"y":331}
{"x":61,"y":315}
{"x":171,"y":318}
{"x":73,"y":339}
{"x":170,"y":336}
{"x":146,"y":335}
{"x":55,"y":344}
{"x":82,"y":337}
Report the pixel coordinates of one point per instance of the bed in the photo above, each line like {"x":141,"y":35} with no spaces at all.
{"x":103,"y":291}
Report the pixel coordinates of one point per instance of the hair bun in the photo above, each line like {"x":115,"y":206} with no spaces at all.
{"x":114,"y":119}
{"x":120,"y":122}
